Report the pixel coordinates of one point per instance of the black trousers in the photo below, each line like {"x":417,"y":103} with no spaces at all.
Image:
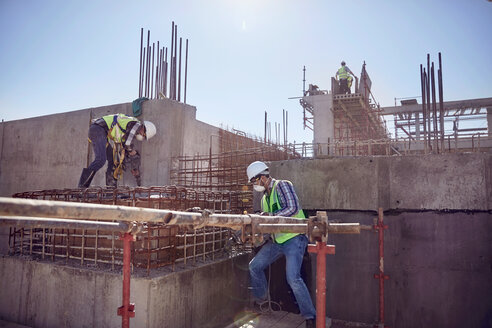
{"x":344,"y":86}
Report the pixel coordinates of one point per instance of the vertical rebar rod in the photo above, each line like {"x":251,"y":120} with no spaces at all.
{"x":186,"y":71}
{"x":441,"y":101}
{"x":171,"y":59}
{"x":96,"y":247}
{"x":427,"y":84}
{"x":204,"y":243}
{"x":140,"y":73}
{"x":157,"y":72}
{"x":179,"y":72}
{"x":143,"y":72}
{"x":44,"y":243}
{"x":434,"y":109}
{"x":53,"y":245}
{"x":30,"y":241}
{"x":22,"y":242}
{"x":175,"y":81}
{"x":166,"y":69}
{"x":147,"y":65}
{"x":152,"y":73}
{"x":422,"y":87}
{"x":68,"y":246}
{"x":82,"y":250}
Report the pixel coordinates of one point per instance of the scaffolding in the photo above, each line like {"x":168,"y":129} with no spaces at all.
{"x":357,"y":118}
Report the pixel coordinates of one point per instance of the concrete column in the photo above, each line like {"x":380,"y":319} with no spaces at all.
{"x":323,"y":122}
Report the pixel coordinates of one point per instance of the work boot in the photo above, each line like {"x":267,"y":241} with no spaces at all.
{"x":86,"y":178}
{"x":110,"y":180}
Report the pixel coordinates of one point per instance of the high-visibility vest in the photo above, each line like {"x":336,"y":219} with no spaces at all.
{"x":271,"y":204}
{"x":117,"y":126}
{"x":342,"y":73}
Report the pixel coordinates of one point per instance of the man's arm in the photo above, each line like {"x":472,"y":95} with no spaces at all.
{"x":289,"y":203}
{"x":131,"y":134}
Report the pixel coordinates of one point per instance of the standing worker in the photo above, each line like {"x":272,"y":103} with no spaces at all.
{"x":343,"y":75}
{"x":280,"y":199}
{"x":111,"y":137}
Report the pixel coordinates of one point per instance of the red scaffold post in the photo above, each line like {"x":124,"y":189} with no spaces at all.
{"x":321,"y":250}
{"x":127,"y":310}
{"x":380,"y":227}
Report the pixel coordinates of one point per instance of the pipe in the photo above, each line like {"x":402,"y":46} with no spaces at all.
{"x":61,"y":209}
{"x":380,"y":227}
{"x":127,"y":310}
{"x":321,"y":250}
{"x":36,"y":222}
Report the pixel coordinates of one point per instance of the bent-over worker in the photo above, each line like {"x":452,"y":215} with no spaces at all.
{"x":111,"y":137}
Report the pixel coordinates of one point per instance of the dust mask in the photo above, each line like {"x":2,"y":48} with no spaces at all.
{"x":258,"y":188}
{"x":140,"y":137}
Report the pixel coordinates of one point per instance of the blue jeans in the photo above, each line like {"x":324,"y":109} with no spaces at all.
{"x":293,"y":249}
{"x":98,"y":137}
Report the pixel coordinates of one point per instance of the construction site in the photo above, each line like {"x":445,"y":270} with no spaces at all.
{"x":399,"y":219}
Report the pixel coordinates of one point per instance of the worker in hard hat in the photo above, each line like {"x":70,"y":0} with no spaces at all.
{"x":112,"y":141}
{"x":342,"y":76}
{"x":280,"y":199}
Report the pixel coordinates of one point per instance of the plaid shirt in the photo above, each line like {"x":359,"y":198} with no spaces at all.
{"x":289,"y":203}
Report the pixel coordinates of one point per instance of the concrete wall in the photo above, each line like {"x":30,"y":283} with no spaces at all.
{"x":438,"y":245}
{"x":49,"y":152}
{"x":51,"y":295}
{"x":439,"y":267}
{"x":460,"y":181}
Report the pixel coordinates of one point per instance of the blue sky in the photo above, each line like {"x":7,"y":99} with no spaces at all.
{"x":245,"y":56}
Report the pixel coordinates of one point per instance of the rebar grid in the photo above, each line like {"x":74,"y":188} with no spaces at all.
{"x":226,"y":170}
{"x":156,"y":245}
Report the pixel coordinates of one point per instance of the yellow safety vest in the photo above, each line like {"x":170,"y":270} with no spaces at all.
{"x":117,"y":126}
{"x":271,"y":204}
{"x":342,"y":73}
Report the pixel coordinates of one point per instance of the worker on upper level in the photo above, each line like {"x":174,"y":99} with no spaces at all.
{"x":280,"y":199}
{"x":111,"y":137}
{"x":342,"y":75}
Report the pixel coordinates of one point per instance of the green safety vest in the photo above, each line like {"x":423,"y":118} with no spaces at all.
{"x":117,"y":126}
{"x":271,"y":204}
{"x":342,"y":73}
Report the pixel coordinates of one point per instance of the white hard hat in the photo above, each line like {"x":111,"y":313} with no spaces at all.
{"x":150,"y":129}
{"x":256,"y":168}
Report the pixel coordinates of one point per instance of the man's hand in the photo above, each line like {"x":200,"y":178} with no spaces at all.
{"x":135,"y":172}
